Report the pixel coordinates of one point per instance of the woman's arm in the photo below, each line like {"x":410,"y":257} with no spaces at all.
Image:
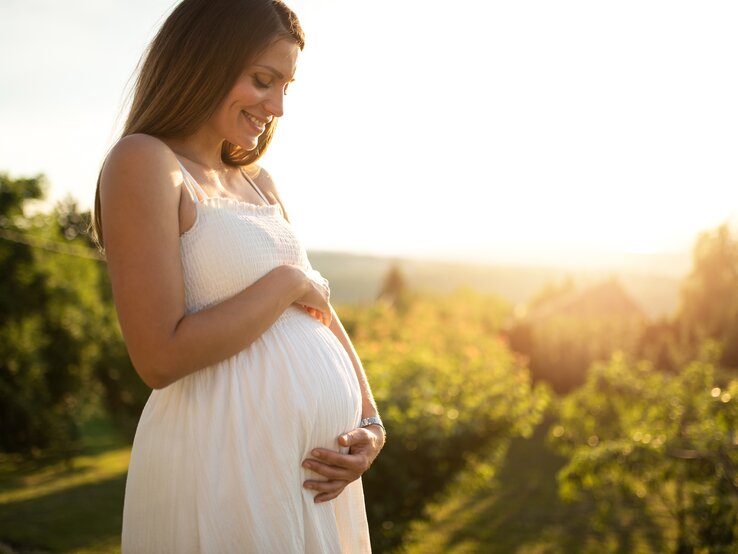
{"x":368,"y":406}
{"x":140,"y":189}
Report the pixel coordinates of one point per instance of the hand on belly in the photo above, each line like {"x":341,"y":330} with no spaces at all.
{"x":341,"y":469}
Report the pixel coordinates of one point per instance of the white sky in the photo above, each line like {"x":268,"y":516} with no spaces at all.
{"x":507,"y":131}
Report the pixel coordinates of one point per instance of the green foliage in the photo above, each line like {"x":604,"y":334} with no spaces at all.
{"x":121,"y":390}
{"x":520,"y":511}
{"x":632,"y":433}
{"x":59,"y":342}
{"x":451,"y":394}
{"x":660,"y":344}
{"x":42,"y":354}
{"x":709,"y":304}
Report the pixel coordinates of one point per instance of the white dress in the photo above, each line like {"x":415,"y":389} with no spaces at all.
{"x":216,"y":459}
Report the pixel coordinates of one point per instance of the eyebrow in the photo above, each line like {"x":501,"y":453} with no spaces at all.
{"x":277,"y":74}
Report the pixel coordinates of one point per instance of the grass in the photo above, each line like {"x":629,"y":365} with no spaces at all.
{"x":53,"y":505}
{"x":519,"y":511}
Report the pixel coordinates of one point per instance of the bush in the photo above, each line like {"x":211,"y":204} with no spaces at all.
{"x":450,"y":392}
{"x":634,"y":433}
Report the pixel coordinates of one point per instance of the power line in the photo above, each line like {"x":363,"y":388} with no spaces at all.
{"x":51,"y":245}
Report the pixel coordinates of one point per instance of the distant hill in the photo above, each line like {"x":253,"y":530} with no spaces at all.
{"x":357,"y":278}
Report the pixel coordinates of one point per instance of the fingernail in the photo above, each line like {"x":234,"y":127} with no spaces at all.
{"x":345,"y":437}
{"x":316,"y":453}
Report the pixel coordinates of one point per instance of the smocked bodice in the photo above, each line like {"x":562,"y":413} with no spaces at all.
{"x":231,"y":245}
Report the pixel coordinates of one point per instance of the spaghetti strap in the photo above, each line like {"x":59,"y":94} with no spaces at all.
{"x":253,"y":184}
{"x":195,"y":190}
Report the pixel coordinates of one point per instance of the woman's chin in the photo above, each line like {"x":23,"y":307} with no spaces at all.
{"x":247,"y":145}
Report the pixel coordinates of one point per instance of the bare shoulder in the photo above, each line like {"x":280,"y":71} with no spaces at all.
{"x":266,"y":184}
{"x":136,"y":161}
{"x":140,"y":189}
{"x":263,"y":180}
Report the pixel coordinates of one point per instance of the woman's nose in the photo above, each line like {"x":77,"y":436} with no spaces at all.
{"x":275,"y":103}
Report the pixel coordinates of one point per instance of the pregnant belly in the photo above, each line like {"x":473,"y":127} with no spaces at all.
{"x":295,"y":385}
{"x":292,"y":390}
{"x":305,"y":373}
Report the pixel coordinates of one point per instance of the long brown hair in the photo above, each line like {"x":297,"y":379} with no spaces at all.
{"x":192,"y":63}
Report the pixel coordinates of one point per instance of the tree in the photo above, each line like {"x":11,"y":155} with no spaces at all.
{"x":394,"y":286}
{"x":58,"y":336}
{"x":709,"y":301}
{"x":42,"y":354}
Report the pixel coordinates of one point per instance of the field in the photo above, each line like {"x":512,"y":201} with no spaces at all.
{"x":65,"y":506}
{"x":520,"y":511}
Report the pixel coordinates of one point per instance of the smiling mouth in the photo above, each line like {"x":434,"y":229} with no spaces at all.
{"x":258,"y":123}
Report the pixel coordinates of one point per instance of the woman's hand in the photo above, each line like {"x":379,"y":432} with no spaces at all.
{"x":316,"y":299}
{"x":320,"y":316}
{"x":340,"y":469}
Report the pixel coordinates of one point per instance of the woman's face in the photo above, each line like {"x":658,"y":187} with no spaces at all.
{"x":257,"y":96}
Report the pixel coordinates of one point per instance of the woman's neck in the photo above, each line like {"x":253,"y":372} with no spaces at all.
{"x":200,"y":148}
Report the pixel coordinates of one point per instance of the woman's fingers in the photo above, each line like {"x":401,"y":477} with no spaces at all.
{"x":329,"y":471}
{"x":324,"y":318}
{"x":327,"y":490}
{"x":353,"y":462}
{"x":364,"y":444}
{"x":326,"y":486}
{"x":338,"y":470}
{"x":322,"y":497}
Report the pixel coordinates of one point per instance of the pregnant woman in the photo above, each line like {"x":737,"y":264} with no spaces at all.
{"x":261,"y":421}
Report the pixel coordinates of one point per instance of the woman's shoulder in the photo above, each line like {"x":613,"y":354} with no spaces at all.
{"x":140,"y":167}
{"x":262,"y":178}
{"x":138,"y":160}
{"x":140,"y":150}
{"x":265,"y":182}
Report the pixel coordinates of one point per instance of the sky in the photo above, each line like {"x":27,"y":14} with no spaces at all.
{"x":522,"y":131}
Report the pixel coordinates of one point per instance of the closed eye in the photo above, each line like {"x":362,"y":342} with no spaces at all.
{"x":260,"y":82}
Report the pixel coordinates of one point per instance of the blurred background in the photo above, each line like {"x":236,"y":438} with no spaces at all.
{"x":527,"y":212}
